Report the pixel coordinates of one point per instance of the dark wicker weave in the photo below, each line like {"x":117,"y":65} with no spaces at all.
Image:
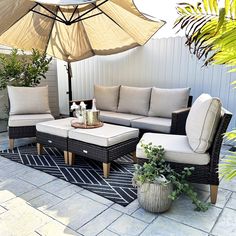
{"x":52,"y":140}
{"x":21,"y":132}
{"x":207,"y":174}
{"x":102,"y":154}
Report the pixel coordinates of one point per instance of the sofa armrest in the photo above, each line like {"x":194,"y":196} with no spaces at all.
{"x":88,"y":102}
{"x":178,"y":121}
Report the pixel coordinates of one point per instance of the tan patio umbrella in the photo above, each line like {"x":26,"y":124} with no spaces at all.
{"x":73,"y":30}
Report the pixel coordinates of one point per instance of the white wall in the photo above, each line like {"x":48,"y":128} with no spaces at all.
{"x":165,"y":63}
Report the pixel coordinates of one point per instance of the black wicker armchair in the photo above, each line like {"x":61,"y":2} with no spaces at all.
{"x":207,"y":174}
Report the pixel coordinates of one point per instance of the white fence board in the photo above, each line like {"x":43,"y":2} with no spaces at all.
{"x":165,"y":63}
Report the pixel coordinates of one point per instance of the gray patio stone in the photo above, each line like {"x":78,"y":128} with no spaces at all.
{"x":226,"y":223}
{"x":96,"y":197}
{"x":37,"y":178}
{"x":130,"y":209}
{"x":127,"y":225}
{"x":12,"y":188}
{"x":75,"y":211}
{"x":229,"y":185}
{"x":231,"y":203}
{"x":21,"y":219}
{"x":144,"y":215}
{"x":166,"y":227}
{"x":222,"y":197}
{"x":32,"y":194}
{"x":182,"y":211}
{"x":203,"y":187}
{"x":61,"y":188}
{"x":45,"y":201}
{"x":54,"y":228}
{"x":107,"y":233}
{"x":99,"y":223}
{"x":233,"y":195}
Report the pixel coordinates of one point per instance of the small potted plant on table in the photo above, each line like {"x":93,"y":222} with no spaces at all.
{"x":158,"y":184}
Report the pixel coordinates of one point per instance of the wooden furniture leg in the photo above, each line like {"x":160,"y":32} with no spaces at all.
{"x":11,"y":144}
{"x":66,"y":157}
{"x":39,"y":148}
{"x":71,"y":158}
{"x":214,"y":192}
{"x":106,"y":169}
{"x":135,"y":160}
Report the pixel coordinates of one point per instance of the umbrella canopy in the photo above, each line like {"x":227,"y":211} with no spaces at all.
{"x":76,"y":29}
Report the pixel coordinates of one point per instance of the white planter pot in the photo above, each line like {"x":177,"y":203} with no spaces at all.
{"x":154,"y":197}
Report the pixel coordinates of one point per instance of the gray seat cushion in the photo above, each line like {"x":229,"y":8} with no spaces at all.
{"x":156,"y":124}
{"x":118,"y":118}
{"x":177,"y":149}
{"x":28,"y":120}
{"x":25,"y":100}
{"x":106,"y":97}
{"x":134,"y":100}
{"x":105,"y":136}
{"x":165,"y":101}
{"x":59,"y":127}
{"x":202,"y":122}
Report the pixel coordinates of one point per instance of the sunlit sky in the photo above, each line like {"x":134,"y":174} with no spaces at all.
{"x":164,"y":10}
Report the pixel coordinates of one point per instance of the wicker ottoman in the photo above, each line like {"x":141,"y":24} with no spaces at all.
{"x":103,"y":144}
{"x":55,"y":134}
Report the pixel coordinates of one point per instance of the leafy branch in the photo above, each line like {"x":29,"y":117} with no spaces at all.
{"x":23,"y":70}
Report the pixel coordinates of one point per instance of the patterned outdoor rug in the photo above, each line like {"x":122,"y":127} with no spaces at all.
{"x":85,"y":173}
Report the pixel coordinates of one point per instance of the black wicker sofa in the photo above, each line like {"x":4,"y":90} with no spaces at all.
{"x":148,"y":109}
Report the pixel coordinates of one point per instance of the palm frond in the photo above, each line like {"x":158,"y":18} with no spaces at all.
{"x":210,"y":30}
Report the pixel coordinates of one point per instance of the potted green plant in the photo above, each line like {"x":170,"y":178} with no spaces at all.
{"x":158,"y":184}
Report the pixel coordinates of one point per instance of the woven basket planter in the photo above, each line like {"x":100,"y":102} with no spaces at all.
{"x":154,"y":197}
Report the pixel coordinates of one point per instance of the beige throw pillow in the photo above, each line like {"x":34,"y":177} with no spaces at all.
{"x":165,"y":101}
{"x":134,"y":100}
{"x":202,"y":122}
{"x":106,"y":97}
{"x":28,"y":100}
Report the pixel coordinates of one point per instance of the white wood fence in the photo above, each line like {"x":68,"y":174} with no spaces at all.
{"x":164,"y":63}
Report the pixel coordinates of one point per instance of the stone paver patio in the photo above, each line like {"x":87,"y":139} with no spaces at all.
{"x":33,"y":203}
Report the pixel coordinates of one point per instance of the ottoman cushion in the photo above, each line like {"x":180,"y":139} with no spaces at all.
{"x":59,"y":127}
{"x":105,"y":136}
{"x":177,"y":149}
{"x":28,"y":120}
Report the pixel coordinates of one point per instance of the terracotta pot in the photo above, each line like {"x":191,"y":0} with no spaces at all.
{"x":154,"y":197}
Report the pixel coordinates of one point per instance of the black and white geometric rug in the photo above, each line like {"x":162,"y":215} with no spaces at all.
{"x":86,"y":173}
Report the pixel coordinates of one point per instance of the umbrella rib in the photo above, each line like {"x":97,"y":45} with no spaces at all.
{"x":56,"y":16}
{"x":19,"y":18}
{"x":53,"y":18}
{"x":62,"y":14}
{"x":87,"y":17}
{"x":95,"y":7}
{"x":49,"y":36}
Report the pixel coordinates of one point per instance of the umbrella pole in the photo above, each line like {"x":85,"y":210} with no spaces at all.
{"x":69,"y":73}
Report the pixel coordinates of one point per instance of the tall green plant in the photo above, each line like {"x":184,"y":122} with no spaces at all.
{"x":20,"y":69}
{"x":211,"y":35}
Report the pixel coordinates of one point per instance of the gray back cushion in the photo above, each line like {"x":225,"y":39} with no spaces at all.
{"x":106,"y":97}
{"x":202,"y":122}
{"x":28,"y":100}
{"x":165,"y":101}
{"x":134,"y":100}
